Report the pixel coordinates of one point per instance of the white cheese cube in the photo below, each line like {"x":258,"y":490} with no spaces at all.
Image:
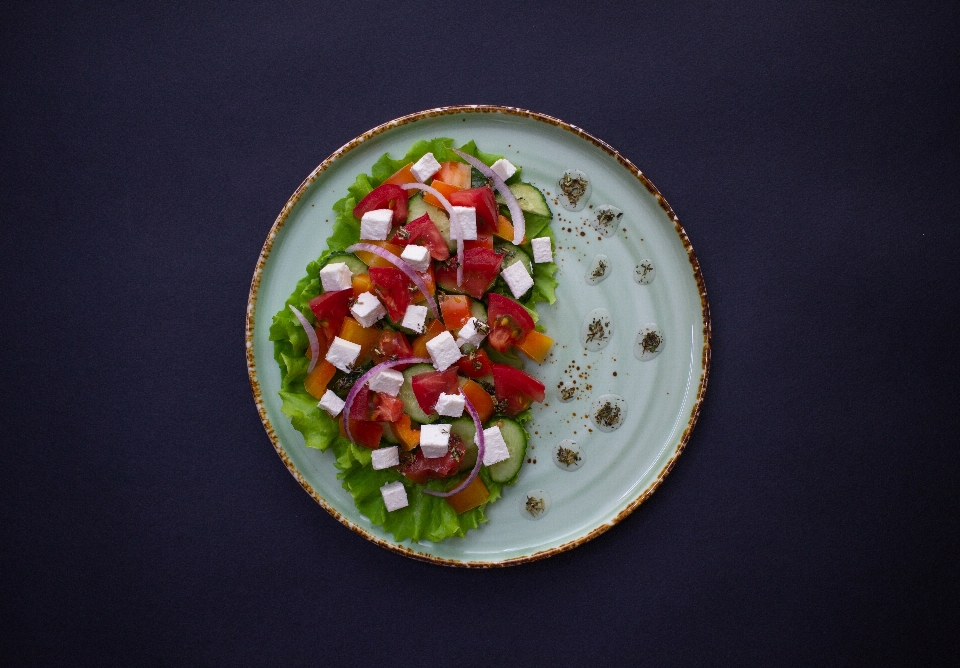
{"x":376,"y":224}
{"x":384,"y":458}
{"x":451,"y":405}
{"x":342,"y":354}
{"x":444,"y":351}
{"x":425,"y":167}
{"x":336,"y":276}
{"x":394,"y":495}
{"x":494,"y":447}
{"x":517,"y":278}
{"x":503,"y":168}
{"x":331,"y":403}
{"x":417,"y":257}
{"x":466,"y":218}
{"x":542,"y":250}
{"x":471,"y":333}
{"x":414,"y":318}
{"x":434,"y":439}
{"x":387,"y":381}
{"x":367,"y":309}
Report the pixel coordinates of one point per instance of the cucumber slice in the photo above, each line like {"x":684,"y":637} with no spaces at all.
{"x":478,"y":310}
{"x":529,"y":198}
{"x":416,"y":207}
{"x":516,"y":439}
{"x":352,"y":261}
{"x":509,"y":357}
{"x":464,"y":428}
{"x":513,"y":254}
{"x":388,"y":434}
{"x":410,"y":404}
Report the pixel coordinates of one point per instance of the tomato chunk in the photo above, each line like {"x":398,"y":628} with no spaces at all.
{"x":360,"y":408}
{"x":367,"y":434}
{"x":480,"y":269}
{"x":475,"y":364}
{"x":382,"y":197}
{"x":516,"y":389}
{"x":419,"y":469}
{"x":428,"y":386}
{"x":483,"y":200}
{"x":391,"y":346}
{"x":423,"y":232}
{"x":393,"y":288}
{"x":455,"y":310}
{"x":386,"y":408}
{"x":509,"y":322}
{"x":330,"y":309}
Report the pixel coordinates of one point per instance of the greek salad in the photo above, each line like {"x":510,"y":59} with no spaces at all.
{"x":410,"y":348}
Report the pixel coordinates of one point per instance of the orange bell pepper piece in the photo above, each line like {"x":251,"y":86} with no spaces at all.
{"x":469,"y":498}
{"x":536,"y":345}
{"x":404,"y":431}
{"x":505,"y":230}
{"x":317,"y":380}
{"x":455,"y":173}
{"x":455,"y":310}
{"x":434,"y":329}
{"x":366,"y":337}
{"x":372,"y":260}
{"x":444,"y":188}
{"x":478,"y":396}
{"x":403,"y":176}
{"x":361,"y":284}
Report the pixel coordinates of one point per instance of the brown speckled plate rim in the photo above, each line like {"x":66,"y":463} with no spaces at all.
{"x":480,"y":109}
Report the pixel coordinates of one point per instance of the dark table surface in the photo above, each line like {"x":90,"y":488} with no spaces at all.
{"x":811,"y":151}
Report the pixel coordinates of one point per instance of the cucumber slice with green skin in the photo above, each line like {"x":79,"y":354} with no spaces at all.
{"x":513,"y":254}
{"x":529,"y":198}
{"x":516,"y":439}
{"x":478,"y":310}
{"x":410,"y":404}
{"x":416,"y":207}
{"x":510,"y":357}
{"x":465,"y":429}
{"x":388,"y":434}
{"x":352,"y":261}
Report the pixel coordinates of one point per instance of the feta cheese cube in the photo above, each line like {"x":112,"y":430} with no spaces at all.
{"x":367,"y":309}
{"x":387,"y":381}
{"x":472,"y":332}
{"x":494,"y":447}
{"x":542,"y":250}
{"x":384,"y":458}
{"x":394,"y":496}
{"x":434,"y":439}
{"x":503,"y":168}
{"x":451,"y":405}
{"x":517,"y":278}
{"x":466,"y":218}
{"x":331,"y":403}
{"x":444,"y":351}
{"x":417,"y":257}
{"x":414,"y":318}
{"x":342,"y":354}
{"x":336,"y":276}
{"x":425,"y":167}
{"x":376,"y":224}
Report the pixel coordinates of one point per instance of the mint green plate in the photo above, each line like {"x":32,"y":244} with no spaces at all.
{"x":620,"y":469}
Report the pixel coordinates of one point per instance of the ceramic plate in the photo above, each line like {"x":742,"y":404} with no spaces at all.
{"x":662,"y":396}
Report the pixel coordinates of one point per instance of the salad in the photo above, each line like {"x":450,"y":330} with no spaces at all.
{"x":410,"y":347}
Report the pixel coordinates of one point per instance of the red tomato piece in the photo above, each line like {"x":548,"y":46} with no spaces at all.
{"x":330,"y":309}
{"x":367,"y":434}
{"x":391,"y":346}
{"x":480,"y":269}
{"x":360,"y":408}
{"x":483,"y":200}
{"x":475,"y":364}
{"x":382,"y":197}
{"x":428,"y":386}
{"x":386,"y":408}
{"x":509,"y":322}
{"x":423,"y":232}
{"x":482,"y":241}
{"x":393,"y":288}
{"x":419,"y":469}
{"x":455,"y":311}
{"x":516,"y":389}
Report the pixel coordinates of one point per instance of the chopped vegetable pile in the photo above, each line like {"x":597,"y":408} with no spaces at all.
{"x":403,"y":348}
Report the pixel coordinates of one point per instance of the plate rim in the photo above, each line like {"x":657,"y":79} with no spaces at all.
{"x":443,"y":111}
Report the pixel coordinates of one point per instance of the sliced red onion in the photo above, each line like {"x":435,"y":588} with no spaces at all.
{"x":519,"y":224}
{"x":352,"y":394}
{"x":453,"y":222}
{"x":311,"y":336}
{"x":403,"y":266}
{"x":480,"y":450}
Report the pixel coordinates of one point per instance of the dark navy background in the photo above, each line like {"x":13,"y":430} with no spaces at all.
{"x":811,"y":151}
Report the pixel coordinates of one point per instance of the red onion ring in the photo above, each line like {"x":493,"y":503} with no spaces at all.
{"x":403,"y":266}
{"x":311,"y":336}
{"x":480,"y":450}
{"x":519,"y":224}
{"x":449,"y":207}
{"x":352,"y":394}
